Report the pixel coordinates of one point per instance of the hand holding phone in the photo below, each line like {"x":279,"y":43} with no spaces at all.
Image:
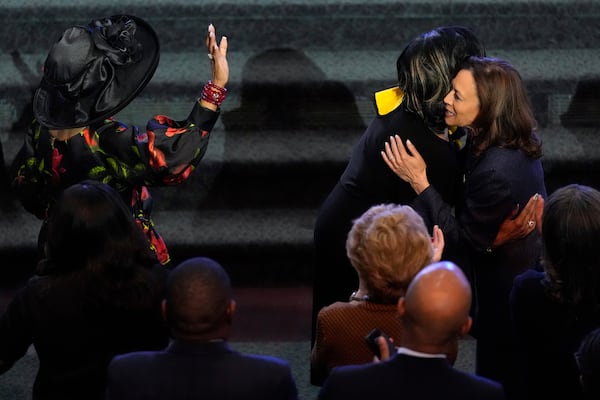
{"x":371,"y":340}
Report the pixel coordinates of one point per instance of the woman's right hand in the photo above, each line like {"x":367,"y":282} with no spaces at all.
{"x":407,"y":163}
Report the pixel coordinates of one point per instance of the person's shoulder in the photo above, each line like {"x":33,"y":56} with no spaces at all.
{"x":52,"y":284}
{"x":361,"y":370}
{"x":133,"y":358}
{"x":528,"y":295}
{"x":357,"y":380}
{"x":506,"y":165}
{"x":389,"y":109}
{"x":260,"y":361}
{"x":342,"y":312}
{"x":38,"y":280}
{"x":528,"y":278}
{"x":506,"y":159}
{"x":401,"y":121}
{"x":335,"y":308}
{"x":388,"y":100}
{"x":496,"y":154}
{"x":488,"y":388}
{"x":475,"y":387}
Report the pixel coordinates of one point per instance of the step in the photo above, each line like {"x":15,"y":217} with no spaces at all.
{"x":179,"y":78}
{"x":270,"y":169}
{"x":261,"y":227}
{"x":328,"y":25}
{"x":255,"y":159}
{"x":254,"y":245}
{"x":344,"y":41}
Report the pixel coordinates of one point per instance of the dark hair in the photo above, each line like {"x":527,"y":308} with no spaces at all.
{"x":198,"y":294}
{"x":570,"y":228}
{"x":588,"y":362}
{"x":426,"y":67}
{"x":91,"y":233}
{"x":505,"y":116}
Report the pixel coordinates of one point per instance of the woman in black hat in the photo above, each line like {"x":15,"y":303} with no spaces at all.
{"x":90,"y":74}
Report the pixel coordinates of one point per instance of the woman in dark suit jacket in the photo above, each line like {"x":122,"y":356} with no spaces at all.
{"x":502,"y":168}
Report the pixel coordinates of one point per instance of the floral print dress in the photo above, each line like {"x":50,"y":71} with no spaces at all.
{"x":125,"y":157}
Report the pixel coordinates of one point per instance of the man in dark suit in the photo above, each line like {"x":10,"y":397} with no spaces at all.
{"x":198,"y":363}
{"x":434,"y":315}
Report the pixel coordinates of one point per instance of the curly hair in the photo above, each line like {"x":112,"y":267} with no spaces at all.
{"x":571,"y":261}
{"x":387,"y":246}
{"x":505,"y":116}
{"x":426,"y":66}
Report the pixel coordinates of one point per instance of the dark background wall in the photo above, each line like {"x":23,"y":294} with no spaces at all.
{"x":302,"y":77}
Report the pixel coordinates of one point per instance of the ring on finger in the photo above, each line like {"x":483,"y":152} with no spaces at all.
{"x":531,"y":223}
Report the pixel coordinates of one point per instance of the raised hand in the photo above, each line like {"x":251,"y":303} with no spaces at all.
{"x":438,"y":243}
{"x":217,"y":53}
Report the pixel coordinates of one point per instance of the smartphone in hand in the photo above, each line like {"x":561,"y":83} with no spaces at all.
{"x":371,"y":340}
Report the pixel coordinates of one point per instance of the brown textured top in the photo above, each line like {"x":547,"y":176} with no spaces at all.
{"x":341,"y":329}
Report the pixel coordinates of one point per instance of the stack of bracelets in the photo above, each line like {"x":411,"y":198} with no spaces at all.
{"x":213,"y":94}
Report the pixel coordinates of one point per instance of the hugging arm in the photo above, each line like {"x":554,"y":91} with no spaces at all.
{"x":489,"y":196}
{"x":521,"y":225}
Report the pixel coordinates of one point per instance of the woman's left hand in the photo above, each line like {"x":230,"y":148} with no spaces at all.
{"x":514,"y":228}
{"x":408,"y":166}
{"x":438,"y":243}
{"x":217,"y":52}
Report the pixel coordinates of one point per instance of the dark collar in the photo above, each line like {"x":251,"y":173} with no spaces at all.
{"x":215,"y":347}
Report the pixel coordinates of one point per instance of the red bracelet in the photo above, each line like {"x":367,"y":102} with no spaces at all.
{"x":213,"y":94}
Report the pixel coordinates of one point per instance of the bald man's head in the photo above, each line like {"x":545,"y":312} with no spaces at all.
{"x":435,"y":309}
{"x":199,"y":302}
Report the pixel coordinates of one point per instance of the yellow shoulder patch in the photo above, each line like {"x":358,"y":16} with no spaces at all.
{"x":388,"y":100}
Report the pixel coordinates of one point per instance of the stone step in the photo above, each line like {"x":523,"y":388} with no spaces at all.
{"x":296,"y":169}
{"x":255,"y":245}
{"x":355,"y":75}
{"x":333,"y":25}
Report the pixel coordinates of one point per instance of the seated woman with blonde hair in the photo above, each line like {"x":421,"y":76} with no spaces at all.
{"x":387,"y":246}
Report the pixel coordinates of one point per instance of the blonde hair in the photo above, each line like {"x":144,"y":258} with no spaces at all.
{"x":387,"y":246}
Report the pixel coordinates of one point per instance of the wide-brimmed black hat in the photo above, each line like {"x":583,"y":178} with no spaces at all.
{"x":93,"y":71}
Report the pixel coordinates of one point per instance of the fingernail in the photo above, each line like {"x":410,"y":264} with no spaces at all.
{"x":408,"y":141}
{"x":535,"y":196}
